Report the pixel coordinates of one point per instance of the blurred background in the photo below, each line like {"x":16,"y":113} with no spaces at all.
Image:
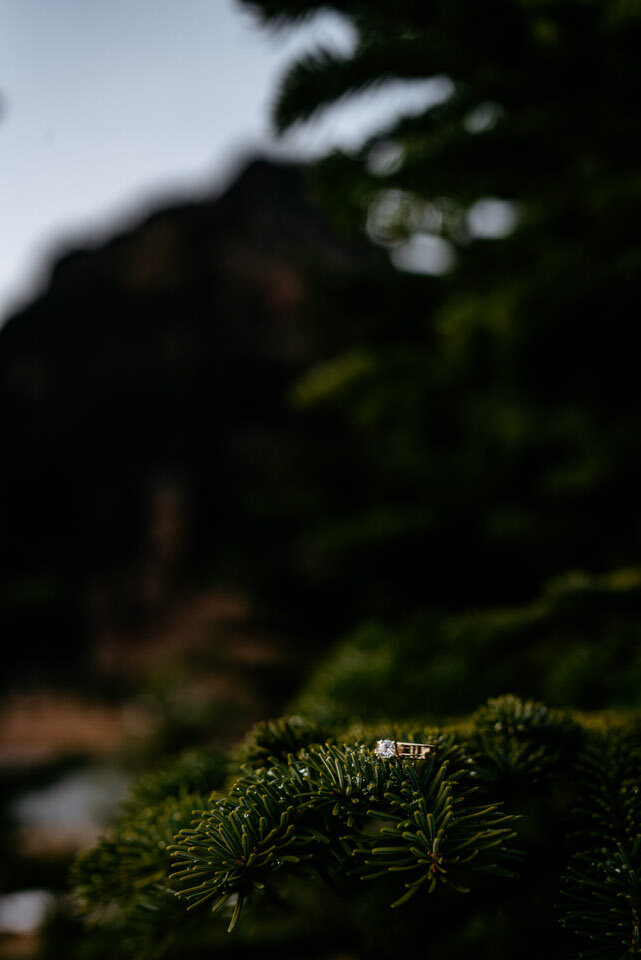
{"x":317,"y":360}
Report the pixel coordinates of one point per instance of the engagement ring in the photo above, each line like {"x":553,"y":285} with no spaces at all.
{"x":386,"y":749}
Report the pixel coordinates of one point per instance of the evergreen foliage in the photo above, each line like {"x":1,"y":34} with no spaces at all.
{"x":323,"y":808}
{"x":578,"y":643}
{"x":603,"y":884}
{"x":191,"y":772}
{"x":277,"y":739}
{"x":467,"y":818}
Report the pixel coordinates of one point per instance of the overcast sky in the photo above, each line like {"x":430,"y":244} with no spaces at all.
{"x":108,"y":106}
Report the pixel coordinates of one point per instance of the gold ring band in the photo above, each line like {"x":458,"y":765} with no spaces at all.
{"x":387,"y":749}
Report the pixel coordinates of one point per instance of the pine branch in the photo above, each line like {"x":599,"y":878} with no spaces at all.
{"x":192,"y":772}
{"x":338,"y":813}
{"x":603,"y":882}
{"x":521,"y":742}
{"x":322,"y":77}
{"x":133,"y":856}
{"x":342,"y":811}
{"x":272,"y":740}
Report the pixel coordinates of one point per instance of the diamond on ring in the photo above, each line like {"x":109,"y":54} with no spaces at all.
{"x":385,"y":749}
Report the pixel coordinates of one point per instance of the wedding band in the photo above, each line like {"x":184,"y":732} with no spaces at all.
{"x":386,"y":749}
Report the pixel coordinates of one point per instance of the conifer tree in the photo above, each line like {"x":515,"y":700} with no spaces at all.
{"x":496,"y":414}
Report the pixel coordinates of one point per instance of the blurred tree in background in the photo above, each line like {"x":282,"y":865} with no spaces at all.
{"x":499,"y":417}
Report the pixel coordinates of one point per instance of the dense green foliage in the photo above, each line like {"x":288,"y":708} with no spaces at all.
{"x":468,"y":819}
{"x":578,"y":643}
{"x":603,"y":880}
